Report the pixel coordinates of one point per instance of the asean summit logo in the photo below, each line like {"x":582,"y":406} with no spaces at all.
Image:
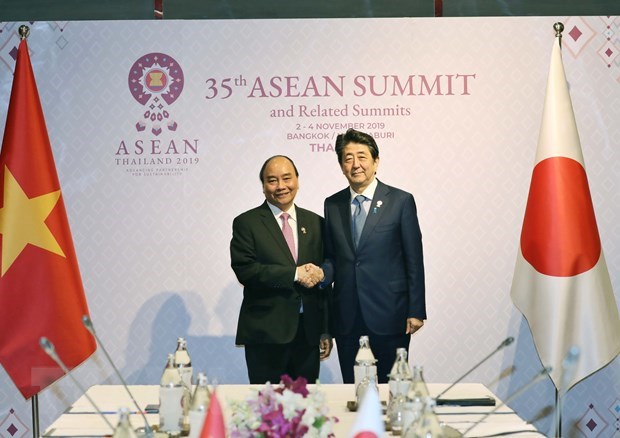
{"x":156,"y":81}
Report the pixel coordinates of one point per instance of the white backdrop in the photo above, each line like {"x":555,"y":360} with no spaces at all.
{"x":455,"y":105}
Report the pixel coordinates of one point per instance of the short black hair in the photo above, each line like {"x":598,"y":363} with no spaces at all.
{"x":353,"y":136}
{"x":262,"y":169}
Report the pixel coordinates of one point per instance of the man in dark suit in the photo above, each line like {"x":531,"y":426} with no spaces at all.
{"x":275,"y":252}
{"x":378,"y":279}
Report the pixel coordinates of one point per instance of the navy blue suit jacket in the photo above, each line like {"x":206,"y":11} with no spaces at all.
{"x":386,"y":271}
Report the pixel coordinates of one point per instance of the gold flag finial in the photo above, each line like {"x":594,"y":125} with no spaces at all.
{"x":24,"y":32}
{"x":559,"y":28}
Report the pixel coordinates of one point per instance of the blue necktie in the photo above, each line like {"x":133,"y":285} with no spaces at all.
{"x":359,"y":217}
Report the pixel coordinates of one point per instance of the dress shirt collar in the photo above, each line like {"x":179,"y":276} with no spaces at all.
{"x":277,"y":212}
{"x":369,"y":192}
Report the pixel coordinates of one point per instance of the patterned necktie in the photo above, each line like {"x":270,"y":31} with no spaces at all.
{"x":288,"y":234}
{"x":359,"y":217}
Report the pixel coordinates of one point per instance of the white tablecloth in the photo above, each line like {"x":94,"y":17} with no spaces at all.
{"x":81,"y":419}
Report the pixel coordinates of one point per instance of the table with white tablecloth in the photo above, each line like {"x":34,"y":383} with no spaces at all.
{"x":81,"y":419}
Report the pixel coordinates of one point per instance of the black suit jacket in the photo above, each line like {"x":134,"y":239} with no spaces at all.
{"x":386,"y":271}
{"x":265,"y":267}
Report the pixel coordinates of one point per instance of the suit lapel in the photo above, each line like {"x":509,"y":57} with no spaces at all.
{"x":273,"y":228}
{"x":302,"y":234}
{"x":375,"y":212}
{"x":344,"y":213}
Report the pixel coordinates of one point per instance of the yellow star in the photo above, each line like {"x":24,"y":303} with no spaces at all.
{"x":22,"y":221}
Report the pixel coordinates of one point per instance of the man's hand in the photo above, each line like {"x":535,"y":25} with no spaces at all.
{"x":309,"y":275}
{"x":413,"y":325}
{"x":325,"y":346}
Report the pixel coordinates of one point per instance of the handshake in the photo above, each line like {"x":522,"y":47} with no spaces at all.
{"x":309,"y":275}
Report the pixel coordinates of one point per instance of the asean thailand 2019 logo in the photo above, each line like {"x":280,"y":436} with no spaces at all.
{"x":156,"y":81}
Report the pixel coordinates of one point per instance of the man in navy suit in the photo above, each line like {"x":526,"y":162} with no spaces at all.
{"x":374,"y":257}
{"x":275,"y":252}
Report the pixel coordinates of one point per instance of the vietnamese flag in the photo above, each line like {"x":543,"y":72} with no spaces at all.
{"x":561,"y":283}
{"x":41,"y":291}
{"x":213,"y":426}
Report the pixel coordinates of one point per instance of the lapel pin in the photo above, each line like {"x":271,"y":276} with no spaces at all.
{"x":303,"y":230}
{"x":379,"y":204}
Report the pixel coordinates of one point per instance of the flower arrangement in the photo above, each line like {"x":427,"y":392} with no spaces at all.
{"x":287,"y":410}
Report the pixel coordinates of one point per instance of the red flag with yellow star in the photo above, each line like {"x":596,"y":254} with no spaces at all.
{"x":41,"y":291}
{"x":214,"y":425}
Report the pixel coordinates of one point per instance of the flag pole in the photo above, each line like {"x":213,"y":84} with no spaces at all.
{"x":35,"y":415}
{"x":557,"y":426}
{"x":24,"y":33}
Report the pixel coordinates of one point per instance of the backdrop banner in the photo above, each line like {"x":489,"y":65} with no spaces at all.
{"x":159,"y":130}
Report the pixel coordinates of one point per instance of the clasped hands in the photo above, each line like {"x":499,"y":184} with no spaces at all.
{"x":309,"y":275}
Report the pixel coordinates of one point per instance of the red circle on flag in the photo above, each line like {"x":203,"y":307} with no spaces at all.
{"x":365,"y":434}
{"x":560,"y":237}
